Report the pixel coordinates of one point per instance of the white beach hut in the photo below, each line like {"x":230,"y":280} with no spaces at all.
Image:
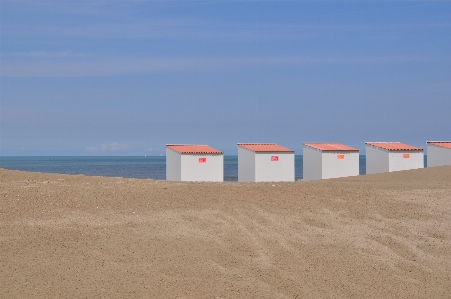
{"x":186,"y":162}
{"x":265,"y":162}
{"x":392,"y":156}
{"x":329,"y":160}
{"x":438,"y":153}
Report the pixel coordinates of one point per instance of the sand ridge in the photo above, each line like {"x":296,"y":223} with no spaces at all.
{"x":374,"y":236}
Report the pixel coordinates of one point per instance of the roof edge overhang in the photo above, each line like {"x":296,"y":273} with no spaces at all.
{"x":202,"y":153}
{"x":351,"y":149}
{"x":338,"y":150}
{"x":281,"y":149}
{"x":190,"y":152}
{"x":373,"y":144}
{"x":440,"y":144}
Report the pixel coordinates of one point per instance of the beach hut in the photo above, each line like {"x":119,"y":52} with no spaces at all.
{"x":187,"y":162}
{"x":265,"y":162}
{"x":329,"y":160}
{"x":392,"y":156}
{"x":438,"y":153}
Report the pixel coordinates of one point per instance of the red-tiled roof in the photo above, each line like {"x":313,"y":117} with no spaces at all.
{"x":193,"y":149}
{"x":264,"y":147}
{"x":445,"y":144}
{"x":395,"y":146}
{"x":338,"y":147}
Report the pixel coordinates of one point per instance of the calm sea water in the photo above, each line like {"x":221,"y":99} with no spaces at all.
{"x":130,"y":167}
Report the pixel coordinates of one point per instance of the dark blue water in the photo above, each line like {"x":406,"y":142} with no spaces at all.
{"x":129,"y":167}
{"x":153,"y":167}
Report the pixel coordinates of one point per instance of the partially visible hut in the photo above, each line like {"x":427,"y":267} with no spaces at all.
{"x":392,"y":156}
{"x":329,"y":160}
{"x":187,"y":162}
{"x":438,"y":153}
{"x":265,"y":162}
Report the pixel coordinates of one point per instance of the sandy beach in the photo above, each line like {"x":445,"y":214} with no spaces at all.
{"x":374,"y":236}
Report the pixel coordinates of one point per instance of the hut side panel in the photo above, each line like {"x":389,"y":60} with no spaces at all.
{"x":405,"y":160}
{"x":202,"y":167}
{"x":438,"y":156}
{"x":173,"y":165}
{"x":340,"y":164}
{"x":376,"y":160}
{"x":246,"y":165}
{"x":274,"y":167}
{"x":312,"y":164}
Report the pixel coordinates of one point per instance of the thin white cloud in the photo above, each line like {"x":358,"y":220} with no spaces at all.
{"x":128,"y":32}
{"x":112,"y":147}
{"x":42,"y":55}
{"x":84,"y":8}
{"x":119,"y":67}
{"x":196,"y":29}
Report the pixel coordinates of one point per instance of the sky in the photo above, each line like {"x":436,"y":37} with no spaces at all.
{"x":125,"y":78}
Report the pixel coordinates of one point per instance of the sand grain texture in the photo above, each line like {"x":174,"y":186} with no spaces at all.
{"x":374,"y":236}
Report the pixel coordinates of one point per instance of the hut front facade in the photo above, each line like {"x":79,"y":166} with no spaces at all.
{"x":265,"y":162}
{"x":329,"y":160}
{"x":392,"y":156}
{"x":186,"y":162}
{"x":438,"y":153}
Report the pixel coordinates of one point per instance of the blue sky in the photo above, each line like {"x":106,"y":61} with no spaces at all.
{"x":127,"y":77}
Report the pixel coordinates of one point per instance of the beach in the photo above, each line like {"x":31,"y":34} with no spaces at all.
{"x":373,"y":236}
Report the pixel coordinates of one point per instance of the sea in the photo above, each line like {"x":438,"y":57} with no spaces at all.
{"x":142,"y":167}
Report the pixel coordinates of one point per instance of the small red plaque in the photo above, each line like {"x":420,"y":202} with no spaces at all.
{"x":202,"y":160}
{"x":341,"y":157}
{"x":406,"y":156}
{"x":274,"y":158}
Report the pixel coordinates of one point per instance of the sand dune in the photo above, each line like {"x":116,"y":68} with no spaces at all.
{"x":375,"y":236}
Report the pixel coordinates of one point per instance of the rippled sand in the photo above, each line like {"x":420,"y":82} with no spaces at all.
{"x":375,"y":236}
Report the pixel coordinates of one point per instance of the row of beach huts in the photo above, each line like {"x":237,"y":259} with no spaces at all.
{"x":269,"y":162}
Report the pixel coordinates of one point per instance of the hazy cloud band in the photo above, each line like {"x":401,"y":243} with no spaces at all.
{"x":118,"y":67}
